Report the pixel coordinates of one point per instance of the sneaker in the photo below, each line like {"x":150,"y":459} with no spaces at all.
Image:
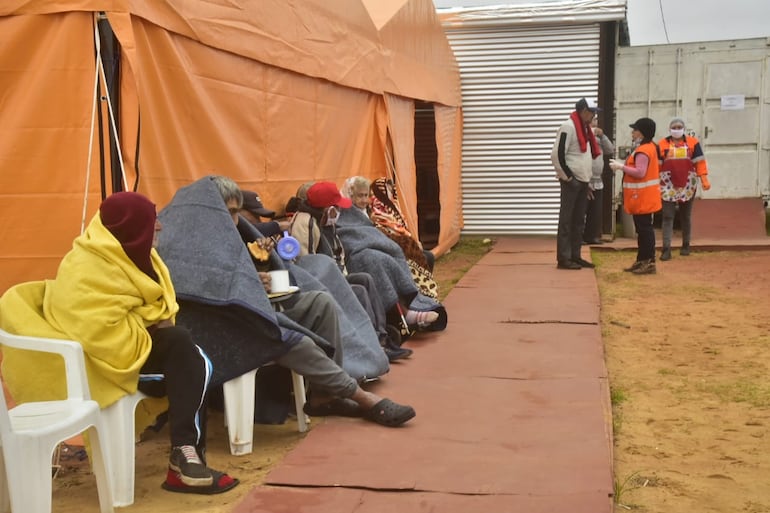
{"x":636,"y":265}
{"x":584,"y":263}
{"x":185,"y":461}
{"x":685,"y":251}
{"x":569,"y":265}
{"x":647,"y":267}
{"x":666,"y":254}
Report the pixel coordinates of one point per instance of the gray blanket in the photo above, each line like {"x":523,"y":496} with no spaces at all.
{"x":363,"y":357}
{"x":223,"y":301}
{"x":369,"y":250}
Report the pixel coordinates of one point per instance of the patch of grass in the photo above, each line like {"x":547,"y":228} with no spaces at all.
{"x":620,"y":487}
{"x":754,"y":393}
{"x":617,"y":395}
{"x":451,"y":266}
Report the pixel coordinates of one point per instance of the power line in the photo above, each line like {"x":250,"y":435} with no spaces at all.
{"x":663,"y":19}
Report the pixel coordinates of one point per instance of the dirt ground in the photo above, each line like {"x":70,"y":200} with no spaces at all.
{"x":688,"y":355}
{"x":75,"y":487}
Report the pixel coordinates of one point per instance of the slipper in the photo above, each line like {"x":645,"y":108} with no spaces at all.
{"x":337,"y":407}
{"x":388,"y":413}
{"x":222,"y":483}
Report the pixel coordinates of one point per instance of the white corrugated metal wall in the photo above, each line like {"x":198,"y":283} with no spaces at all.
{"x":518,"y":85}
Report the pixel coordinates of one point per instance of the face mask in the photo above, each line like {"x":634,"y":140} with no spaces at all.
{"x":331,"y":216}
{"x":677,"y":133}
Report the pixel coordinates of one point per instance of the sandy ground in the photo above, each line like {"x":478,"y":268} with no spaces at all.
{"x":688,"y":354}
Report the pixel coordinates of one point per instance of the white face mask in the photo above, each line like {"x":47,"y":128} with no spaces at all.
{"x":332,"y":214}
{"x":677,"y":133}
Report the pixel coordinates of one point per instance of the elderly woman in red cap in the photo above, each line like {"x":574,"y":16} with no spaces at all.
{"x":113,"y":294}
{"x":361,"y":247}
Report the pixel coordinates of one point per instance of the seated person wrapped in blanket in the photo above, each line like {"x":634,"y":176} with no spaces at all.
{"x":224,"y":302}
{"x":113,"y":294}
{"x":358,"y":245}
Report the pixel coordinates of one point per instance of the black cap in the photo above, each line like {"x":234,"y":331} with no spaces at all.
{"x":646,"y":126}
{"x":253,"y":204}
{"x":590,"y":104}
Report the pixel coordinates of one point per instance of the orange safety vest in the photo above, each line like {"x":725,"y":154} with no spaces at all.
{"x":673,"y":161}
{"x":642,"y":195}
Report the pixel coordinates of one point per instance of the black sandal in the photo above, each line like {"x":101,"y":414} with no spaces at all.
{"x":388,"y":413}
{"x":336,"y":407}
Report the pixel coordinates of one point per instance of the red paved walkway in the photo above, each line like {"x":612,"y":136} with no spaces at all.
{"x":512,"y":399}
{"x":512,"y":408}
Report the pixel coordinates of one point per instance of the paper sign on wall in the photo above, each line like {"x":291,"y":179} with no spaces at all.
{"x":733,"y":102}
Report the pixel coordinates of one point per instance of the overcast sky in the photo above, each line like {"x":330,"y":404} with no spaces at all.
{"x":683,"y":21}
{"x":673,"y":21}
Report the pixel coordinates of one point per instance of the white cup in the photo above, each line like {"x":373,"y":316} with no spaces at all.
{"x":279,"y":281}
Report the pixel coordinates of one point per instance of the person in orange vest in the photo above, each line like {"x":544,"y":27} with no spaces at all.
{"x":682,"y":164}
{"x":641,"y":191}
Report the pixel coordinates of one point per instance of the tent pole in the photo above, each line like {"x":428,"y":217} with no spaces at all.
{"x":110,"y":68}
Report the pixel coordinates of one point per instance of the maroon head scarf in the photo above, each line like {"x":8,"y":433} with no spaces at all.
{"x":130,"y":217}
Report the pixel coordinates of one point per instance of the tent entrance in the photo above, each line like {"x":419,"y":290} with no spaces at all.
{"x":426,"y":164}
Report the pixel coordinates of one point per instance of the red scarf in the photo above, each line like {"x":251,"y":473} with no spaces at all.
{"x":584,"y":133}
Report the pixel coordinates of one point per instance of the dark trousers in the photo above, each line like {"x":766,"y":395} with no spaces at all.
{"x":685,"y":221}
{"x":179,"y":369}
{"x":317,"y":311}
{"x":572,"y":215}
{"x":366,"y":291}
{"x":593,"y":228}
{"x":645,"y":237}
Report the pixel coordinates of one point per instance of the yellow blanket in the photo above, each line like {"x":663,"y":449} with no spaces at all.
{"x":100,"y":299}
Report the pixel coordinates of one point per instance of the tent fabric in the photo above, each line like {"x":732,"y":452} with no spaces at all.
{"x":272,"y":94}
{"x":45,"y":116}
{"x":401,"y":116}
{"x":449,"y":140}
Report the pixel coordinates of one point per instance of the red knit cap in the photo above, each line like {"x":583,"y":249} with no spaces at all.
{"x":130,"y":217}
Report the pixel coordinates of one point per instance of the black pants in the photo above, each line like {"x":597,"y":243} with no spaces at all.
{"x":645,"y":237}
{"x":366,"y":291}
{"x":179,"y":369}
{"x":572,"y":217}
{"x":593,"y":228}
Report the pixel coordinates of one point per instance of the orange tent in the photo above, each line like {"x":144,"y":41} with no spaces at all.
{"x":270,"y":93}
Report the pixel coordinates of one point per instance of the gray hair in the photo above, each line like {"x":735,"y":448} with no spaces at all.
{"x":354,"y":183}
{"x":676,"y":119}
{"x":228,"y":189}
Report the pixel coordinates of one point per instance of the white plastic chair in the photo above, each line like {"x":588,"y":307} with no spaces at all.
{"x":239,"y":410}
{"x":121,"y":443}
{"x":119,"y":420}
{"x":30,"y":432}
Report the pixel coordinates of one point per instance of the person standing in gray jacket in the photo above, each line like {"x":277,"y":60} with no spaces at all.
{"x":592,"y":234}
{"x":572,"y":154}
